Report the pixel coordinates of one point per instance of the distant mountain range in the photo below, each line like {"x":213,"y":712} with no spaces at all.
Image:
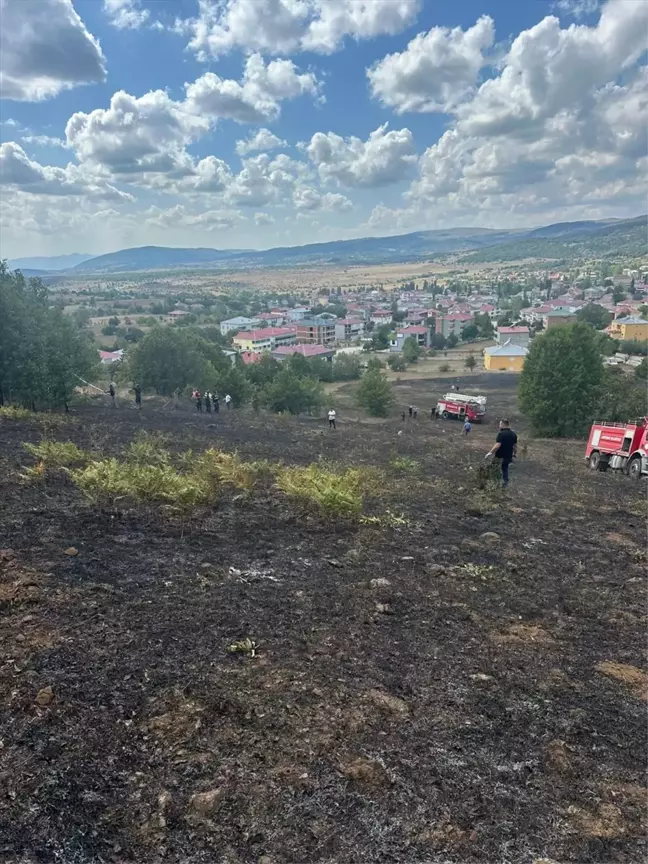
{"x":563,"y":240}
{"x":572,"y":240}
{"x":57,"y":262}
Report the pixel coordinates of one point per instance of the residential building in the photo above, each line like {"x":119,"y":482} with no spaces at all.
{"x":107,"y":357}
{"x":266,"y":339}
{"x":421,"y":334}
{"x":513,"y":335}
{"x":238,"y":323}
{"x":316,"y":331}
{"x":297,"y":313}
{"x":308,"y":351}
{"x":630,"y":327}
{"x":505,"y":358}
{"x":250,"y":357}
{"x":453,"y":324}
{"x":381,"y":316}
{"x":271,"y":319}
{"x":176,"y":314}
{"x":349,"y":329}
{"x":560,"y":316}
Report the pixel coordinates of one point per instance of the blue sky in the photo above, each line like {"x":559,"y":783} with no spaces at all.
{"x":125,"y":122}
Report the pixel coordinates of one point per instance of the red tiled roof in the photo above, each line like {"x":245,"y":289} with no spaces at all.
{"x":457,"y":316}
{"x":513,"y":329}
{"x":249,"y":357}
{"x":266,"y":333}
{"x":414,"y":329}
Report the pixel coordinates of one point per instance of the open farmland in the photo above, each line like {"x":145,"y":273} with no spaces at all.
{"x":454,"y":677}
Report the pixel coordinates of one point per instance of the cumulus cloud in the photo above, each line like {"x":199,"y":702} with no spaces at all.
{"x":285,"y":26}
{"x":436,"y":71}
{"x":384,"y":158}
{"x":19,"y":172}
{"x":136,"y":136}
{"x":263,"y":219}
{"x":264,"y":181}
{"x":256,"y":98}
{"x":126,"y":14}
{"x":262,"y":141}
{"x":556,"y":125}
{"x":179,"y":217}
{"x":44,"y":48}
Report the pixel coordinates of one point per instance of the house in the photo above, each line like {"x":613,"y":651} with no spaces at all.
{"x":308,"y":351}
{"x":106,"y":357}
{"x":381,"y":316}
{"x":513,"y":335}
{"x":238,"y":323}
{"x":505,"y":358}
{"x":349,"y":329}
{"x":176,"y":314}
{"x":630,"y":327}
{"x":316,"y":331}
{"x":265,"y":339}
{"x":559,"y":316}
{"x":297,"y":313}
{"x":421,"y":334}
{"x":453,"y":324}
{"x":271,"y":319}
{"x":250,"y":357}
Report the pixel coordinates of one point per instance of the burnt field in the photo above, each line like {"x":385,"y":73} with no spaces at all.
{"x":455,"y":677}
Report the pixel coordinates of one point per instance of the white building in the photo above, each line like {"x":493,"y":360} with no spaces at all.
{"x":238,"y":323}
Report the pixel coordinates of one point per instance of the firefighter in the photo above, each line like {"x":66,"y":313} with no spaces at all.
{"x":111,"y":392}
{"x":198,"y":402}
{"x":207,"y":402}
{"x":138,"y":396}
{"x":504,"y":449}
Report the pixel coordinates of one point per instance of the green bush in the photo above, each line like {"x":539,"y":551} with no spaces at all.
{"x":336,"y":493}
{"x":375,"y":393}
{"x":146,"y":449}
{"x":57,"y":454}
{"x":15,"y":412}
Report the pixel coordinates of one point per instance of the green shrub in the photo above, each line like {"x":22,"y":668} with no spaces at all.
{"x":336,"y":493}
{"x":14,"y":412}
{"x":102,"y":483}
{"x":404,"y":463}
{"x":57,"y":454}
{"x":146,"y":449}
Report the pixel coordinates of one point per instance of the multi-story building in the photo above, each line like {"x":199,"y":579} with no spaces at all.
{"x":421,"y":334}
{"x":381,"y":316}
{"x":505,"y":358}
{"x":316,"y":331}
{"x":630,"y":327}
{"x":308,"y":351}
{"x":453,"y":324}
{"x":266,"y":339}
{"x":559,"y":316}
{"x":349,"y":329}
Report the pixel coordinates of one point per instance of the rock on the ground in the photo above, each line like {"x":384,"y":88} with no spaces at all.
{"x":365,"y":772}
{"x":71,"y":550}
{"x":381,"y":582}
{"x":206,"y":802}
{"x":390,"y":703}
{"x":490,"y":537}
{"x":45,"y":697}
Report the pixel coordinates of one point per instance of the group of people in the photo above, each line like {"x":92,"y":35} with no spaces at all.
{"x":209,"y":400}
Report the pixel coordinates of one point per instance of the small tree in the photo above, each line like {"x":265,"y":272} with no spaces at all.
{"x":438,"y":341}
{"x":411,"y":350}
{"x":231,"y":380}
{"x":559,"y":385}
{"x":397,"y":363}
{"x":375,"y":363}
{"x":347,"y":367}
{"x":293,"y":393}
{"x":375,"y":393}
{"x":470,"y":362}
{"x":471,"y":331}
{"x":595,"y":315}
{"x":321,"y":369}
{"x":452,"y":340}
{"x":641,"y":371}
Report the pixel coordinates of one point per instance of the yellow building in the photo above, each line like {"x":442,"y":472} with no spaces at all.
{"x":505,"y":358}
{"x":631,"y":327}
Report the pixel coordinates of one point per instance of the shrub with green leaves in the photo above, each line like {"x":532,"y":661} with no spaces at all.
{"x":404,"y":463}
{"x":58,"y":454}
{"x":15,"y":412}
{"x":103,"y":483}
{"x":146,"y":449}
{"x":336,"y":493}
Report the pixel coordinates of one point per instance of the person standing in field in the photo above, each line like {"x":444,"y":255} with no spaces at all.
{"x":207,"y":402}
{"x":111,"y":391}
{"x":331,"y":418}
{"x":216,"y":402}
{"x":198,"y":402}
{"x":415,"y":411}
{"x":467,"y":427}
{"x":504,"y":449}
{"x":228,"y":401}
{"x":138,"y":396}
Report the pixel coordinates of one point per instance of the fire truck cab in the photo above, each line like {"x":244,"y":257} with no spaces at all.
{"x":459,"y":406}
{"x":621,"y":446}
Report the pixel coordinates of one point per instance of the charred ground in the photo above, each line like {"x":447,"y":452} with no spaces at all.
{"x":465,"y":687}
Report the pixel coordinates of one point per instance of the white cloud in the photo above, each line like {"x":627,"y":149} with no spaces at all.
{"x":136,"y":136}
{"x":285,"y":26}
{"x":577,"y":8}
{"x":44,"y":141}
{"x":384,"y":158}
{"x":262,"y":141}
{"x":437,"y":70}
{"x":126,"y":14}
{"x":44,"y":48}
{"x":259,"y":95}
{"x":263,"y":219}
{"x":19,"y":172}
{"x":178,"y":217}
{"x":264,"y":181}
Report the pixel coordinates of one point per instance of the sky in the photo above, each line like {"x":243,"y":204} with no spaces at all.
{"x":260,"y":123}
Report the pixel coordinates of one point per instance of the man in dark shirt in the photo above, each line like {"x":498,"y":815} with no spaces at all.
{"x":504,"y":449}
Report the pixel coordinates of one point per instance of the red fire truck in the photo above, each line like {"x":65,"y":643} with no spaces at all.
{"x":458,"y":406}
{"x":619,"y":445}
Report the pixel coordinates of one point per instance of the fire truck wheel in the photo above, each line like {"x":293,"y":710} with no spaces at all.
{"x":596,"y":463}
{"x":634,"y":469}
{"x":445,"y":415}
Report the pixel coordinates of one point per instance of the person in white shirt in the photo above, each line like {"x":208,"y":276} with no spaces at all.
{"x":228,"y":401}
{"x":331,"y":418}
